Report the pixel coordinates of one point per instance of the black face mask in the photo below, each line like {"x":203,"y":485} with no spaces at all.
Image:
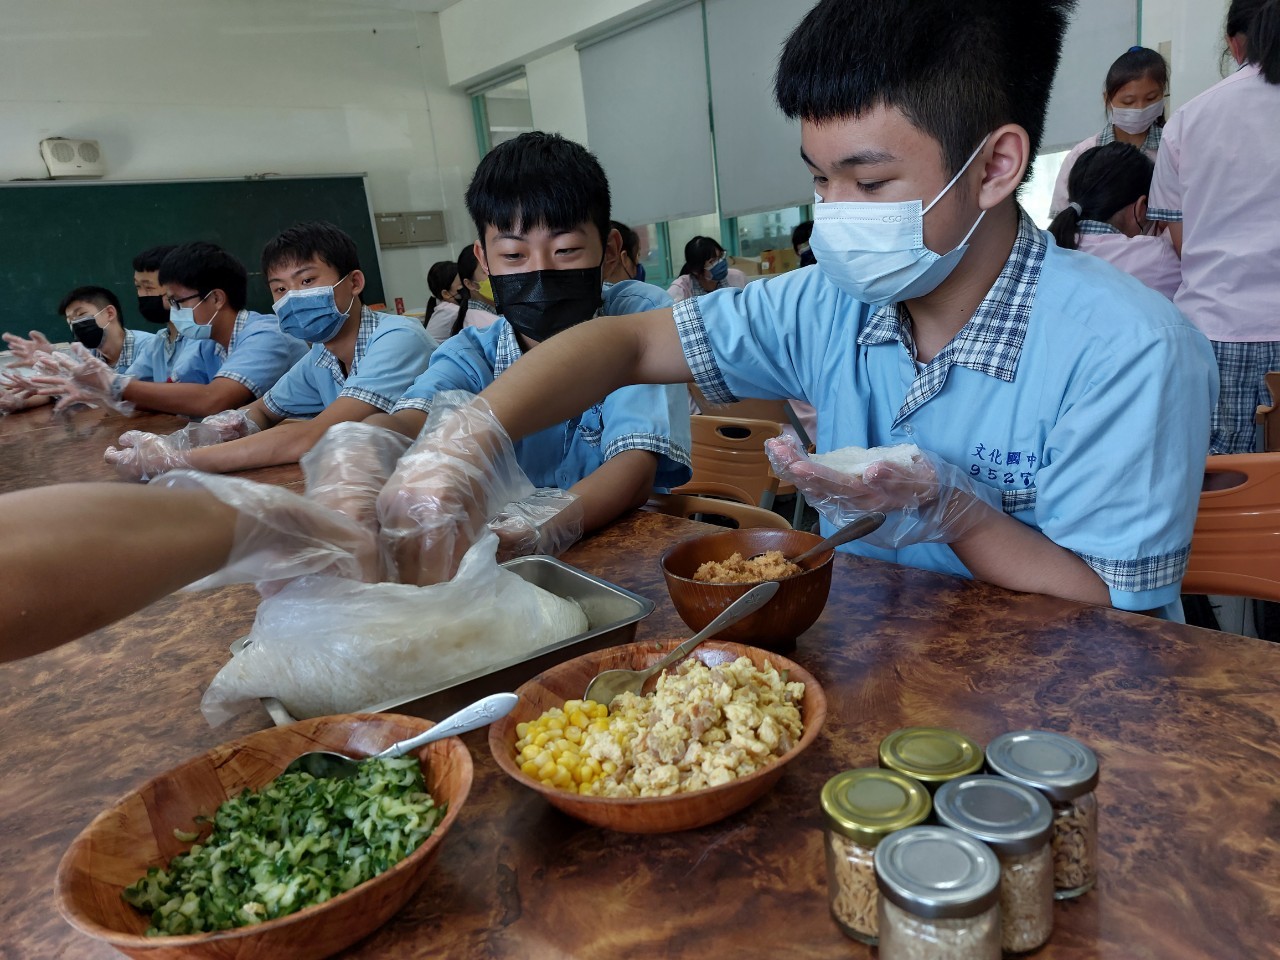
{"x":153,"y":309}
{"x":87,"y":332}
{"x":541,"y":303}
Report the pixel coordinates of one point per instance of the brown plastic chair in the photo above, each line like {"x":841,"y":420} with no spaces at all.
{"x":730,"y":451}
{"x":693,"y":507}
{"x":1269,"y":417}
{"x":1235,"y":549}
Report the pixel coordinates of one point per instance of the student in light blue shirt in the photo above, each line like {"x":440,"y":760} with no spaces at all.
{"x":1062,"y":407}
{"x":360,"y":362}
{"x":156,"y":360}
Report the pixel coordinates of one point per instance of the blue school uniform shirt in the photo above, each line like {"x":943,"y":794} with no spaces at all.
{"x":135,"y":341}
{"x":156,"y":360}
{"x":1077,"y":400}
{"x":642,"y":417}
{"x":257,"y":355}
{"x":390,"y":353}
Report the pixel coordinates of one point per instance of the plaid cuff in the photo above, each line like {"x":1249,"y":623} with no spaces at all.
{"x":383,"y":403}
{"x":412,"y":403}
{"x":275,"y":408}
{"x":698,"y":353}
{"x":653,"y":443}
{"x":1014,"y":501}
{"x":1135,"y":576}
{"x":1167,"y":216}
{"x":243,"y":381}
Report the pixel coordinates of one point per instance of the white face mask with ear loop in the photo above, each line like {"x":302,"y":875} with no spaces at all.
{"x":875,"y":252}
{"x":1135,"y":120}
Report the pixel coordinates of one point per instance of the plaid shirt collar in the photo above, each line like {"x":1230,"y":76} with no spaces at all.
{"x":1095,"y":226}
{"x":990,"y":342}
{"x":241,"y":319}
{"x":327,"y":361}
{"x":508,"y":350}
{"x":128,"y":350}
{"x":1150,"y":145}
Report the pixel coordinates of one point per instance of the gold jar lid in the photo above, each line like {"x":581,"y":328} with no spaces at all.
{"x":868,"y":804}
{"x":931,"y":755}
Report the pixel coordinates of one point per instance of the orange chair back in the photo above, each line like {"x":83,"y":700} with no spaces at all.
{"x":730,"y":451}
{"x":1269,"y":417}
{"x":1235,"y":550}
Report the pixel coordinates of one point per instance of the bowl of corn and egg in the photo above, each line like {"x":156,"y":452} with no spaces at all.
{"x":711,"y":736}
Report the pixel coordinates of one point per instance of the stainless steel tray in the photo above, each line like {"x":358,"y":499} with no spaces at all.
{"x":612,"y":615}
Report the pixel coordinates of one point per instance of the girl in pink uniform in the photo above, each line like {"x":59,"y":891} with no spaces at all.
{"x":1134,"y":96}
{"x":1107,"y":216}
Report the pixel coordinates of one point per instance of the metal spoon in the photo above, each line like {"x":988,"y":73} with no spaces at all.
{"x":609,"y":683}
{"x":324,"y":763}
{"x":867,"y":523}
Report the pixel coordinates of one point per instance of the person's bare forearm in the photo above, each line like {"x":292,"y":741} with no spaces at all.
{"x":1010,"y":554}
{"x":621,"y":483}
{"x":569,"y":372}
{"x":283,"y":443}
{"x":188,"y":399}
{"x":75,"y":557}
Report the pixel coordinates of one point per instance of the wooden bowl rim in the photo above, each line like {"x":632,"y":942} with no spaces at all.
{"x":827,"y":558}
{"x":813,"y":697}
{"x":70,"y":911}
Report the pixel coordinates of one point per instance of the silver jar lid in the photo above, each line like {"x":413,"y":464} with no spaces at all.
{"x":937,"y":872}
{"x":1059,"y":767}
{"x":1010,"y":818}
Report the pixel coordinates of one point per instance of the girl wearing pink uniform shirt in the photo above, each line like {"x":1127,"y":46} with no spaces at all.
{"x":1134,"y":97}
{"x":1107,"y":216}
{"x":1217,"y":184}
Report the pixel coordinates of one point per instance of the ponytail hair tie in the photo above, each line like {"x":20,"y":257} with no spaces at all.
{"x":1135,"y":49}
{"x":1077,"y":208}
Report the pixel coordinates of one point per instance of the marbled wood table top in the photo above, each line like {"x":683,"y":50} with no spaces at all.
{"x":1183,"y":720}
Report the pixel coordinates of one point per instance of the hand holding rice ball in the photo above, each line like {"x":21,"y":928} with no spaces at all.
{"x":928,"y":500}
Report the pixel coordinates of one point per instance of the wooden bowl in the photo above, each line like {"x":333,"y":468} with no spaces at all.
{"x":775,"y":626}
{"x":137,"y":833}
{"x":681,"y":811}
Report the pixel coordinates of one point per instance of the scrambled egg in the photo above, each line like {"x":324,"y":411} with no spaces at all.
{"x":770,"y":565}
{"x":702,"y":726}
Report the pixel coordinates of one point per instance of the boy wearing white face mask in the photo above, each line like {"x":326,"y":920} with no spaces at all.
{"x":360,"y":362}
{"x":1134,"y":96}
{"x":1062,"y":407}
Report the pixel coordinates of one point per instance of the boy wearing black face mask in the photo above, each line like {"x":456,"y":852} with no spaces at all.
{"x":541,"y":208}
{"x":93,"y":314}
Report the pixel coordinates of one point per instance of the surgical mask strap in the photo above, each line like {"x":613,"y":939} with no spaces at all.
{"x":351,"y":302}
{"x":960,"y":173}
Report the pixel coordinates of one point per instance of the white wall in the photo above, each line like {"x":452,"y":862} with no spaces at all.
{"x":555,"y":94}
{"x":1194,"y":28}
{"x":216,"y":88}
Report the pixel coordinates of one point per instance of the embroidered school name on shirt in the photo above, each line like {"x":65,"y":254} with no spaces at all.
{"x":994,"y":464}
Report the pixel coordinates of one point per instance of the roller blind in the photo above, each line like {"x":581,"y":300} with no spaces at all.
{"x":757,"y":148}
{"x":647,"y":121}
{"x":1100,"y":31}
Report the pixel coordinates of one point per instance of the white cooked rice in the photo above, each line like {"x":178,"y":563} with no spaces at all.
{"x":854,"y":460}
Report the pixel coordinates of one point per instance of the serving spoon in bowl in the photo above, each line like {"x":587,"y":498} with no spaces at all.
{"x":607,"y":684}
{"x":853,"y":530}
{"x":337,"y":766}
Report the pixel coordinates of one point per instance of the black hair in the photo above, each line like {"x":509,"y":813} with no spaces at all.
{"x":205,"y":267}
{"x":100,"y":297}
{"x":957,"y":69}
{"x":801,"y":234}
{"x":697,"y":252}
{"x":467,"y":263}
{"x":439,"y":279}
{"x":539,"y":180}
{"x":148,"y":261}
{"x":1259,"y":22}
{"x":630,"y":240}
{"x":1136,"y":63}
{"x":1103,"y":182}
{"x":316,"y":239}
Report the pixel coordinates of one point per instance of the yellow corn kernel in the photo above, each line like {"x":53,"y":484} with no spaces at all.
{"x":600,"y":725}
{"x":578,"y":718}
{"x":573,"y":734}
{"x":608,"y":768}
{"x":599,"y":711}
{"x":561,"y":745}
{"x":547,"y":770}
{"x":542,"y":739}
{"x":561,"y":777}
{"x":530,"y":751}
{"x":522,"y":729}
{"x":585,"y":773}
{"x":529,"y":768}
{"x":569,"y":760}
{"x":544,"y":757}
{"x":555,"y":723}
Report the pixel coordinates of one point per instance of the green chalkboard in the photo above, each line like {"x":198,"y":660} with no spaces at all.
{"x":57,"y":236}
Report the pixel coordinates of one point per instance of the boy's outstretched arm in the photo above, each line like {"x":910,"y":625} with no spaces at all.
{"x":572,"y":370}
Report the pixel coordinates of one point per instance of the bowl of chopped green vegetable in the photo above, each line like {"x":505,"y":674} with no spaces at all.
{"x":224,"y":857}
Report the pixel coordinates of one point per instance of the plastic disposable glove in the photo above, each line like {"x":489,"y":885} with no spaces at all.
{"x":15,"y":390}
{"x":931,"y":501}
{"x":549,"y":522}
{"x":25,"y":350}
{"x":346,"y":471}
{"x":143,"y":456}
{"x":280,"y":535}
{"x":461,"y":471}
{"x":78,"y":377}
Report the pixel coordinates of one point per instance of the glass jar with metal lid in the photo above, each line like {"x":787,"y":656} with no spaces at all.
{"x":861,"y":808}
{"x":1016,"y":822}
{"x":1066,"y":772}
{"x":939,"y":896}
{"x":932,"y":755}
